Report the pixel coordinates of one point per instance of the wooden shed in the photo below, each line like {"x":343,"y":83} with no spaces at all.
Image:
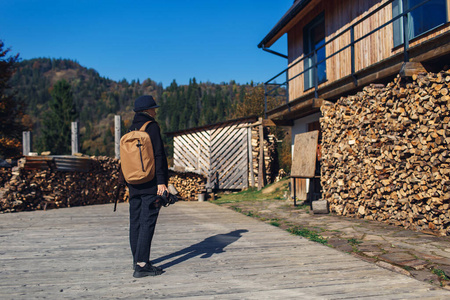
{"x":218,"y":151}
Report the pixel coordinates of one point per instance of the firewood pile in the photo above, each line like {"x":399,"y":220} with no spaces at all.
{"x":188,"y":184}
{"x":5,"y":176}
{"x":386,"y":153}
{"x":40,"y":189}
{"x":271,"y":165}
{"x":26,"y":189}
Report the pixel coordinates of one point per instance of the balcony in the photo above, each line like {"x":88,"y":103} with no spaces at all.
{"x":313,"y":77}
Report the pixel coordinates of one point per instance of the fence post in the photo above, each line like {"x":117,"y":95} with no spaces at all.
{"x":26,"y":142}
{"x":75,"y":135}
{"x":117,"y":133}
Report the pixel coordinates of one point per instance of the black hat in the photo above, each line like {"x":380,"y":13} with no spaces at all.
{"x":144,"y":102}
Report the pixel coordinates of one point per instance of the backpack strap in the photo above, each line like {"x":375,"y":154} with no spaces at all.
{"x":145,"y":125}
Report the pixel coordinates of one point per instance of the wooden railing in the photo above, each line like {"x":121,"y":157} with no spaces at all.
{"x":268,"y":85}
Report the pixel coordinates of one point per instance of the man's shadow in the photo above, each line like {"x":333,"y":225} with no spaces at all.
{"x":206,"y":248}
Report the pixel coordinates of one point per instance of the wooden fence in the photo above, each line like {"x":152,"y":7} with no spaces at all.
{"x":219,"y":152}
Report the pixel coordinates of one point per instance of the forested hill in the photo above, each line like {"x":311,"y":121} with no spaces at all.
{"x":97,"y":99}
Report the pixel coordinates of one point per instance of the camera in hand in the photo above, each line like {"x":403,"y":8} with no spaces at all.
{"x":168,"y":199}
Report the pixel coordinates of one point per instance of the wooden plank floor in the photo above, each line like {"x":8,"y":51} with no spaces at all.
{"x":208,"y":252}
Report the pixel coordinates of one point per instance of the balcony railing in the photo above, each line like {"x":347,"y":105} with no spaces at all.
{"x":268,"y":85}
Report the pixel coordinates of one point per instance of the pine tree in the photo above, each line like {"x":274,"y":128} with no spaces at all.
{"x":11,"y":110}
{"x":56,"y":131}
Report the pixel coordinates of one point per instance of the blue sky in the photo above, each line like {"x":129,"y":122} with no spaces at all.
{"x":211,"y":40}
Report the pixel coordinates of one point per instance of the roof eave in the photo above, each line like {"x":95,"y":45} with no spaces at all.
{"x":274,"y":34}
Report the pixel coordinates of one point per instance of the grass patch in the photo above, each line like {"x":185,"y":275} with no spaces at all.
{"x":440,"y":274}
{"x":238,"y":209}
{"x":252,"y":194}
{"x":309,"y":234}
{"x":275,"y":222}
{"x":354,"y":242}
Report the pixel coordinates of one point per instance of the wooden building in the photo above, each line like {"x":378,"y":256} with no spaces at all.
{"x":337,"y":47}
{"x":221,"y":152}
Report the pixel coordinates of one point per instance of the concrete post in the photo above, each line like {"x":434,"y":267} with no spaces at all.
{"x":117,"y":131}
{"x":75,"y":135}
{"x":26,"y":142}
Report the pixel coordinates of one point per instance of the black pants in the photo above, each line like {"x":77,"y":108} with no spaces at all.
{"x":143,"y":216}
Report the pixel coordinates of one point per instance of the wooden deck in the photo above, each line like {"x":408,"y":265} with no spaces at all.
{"x":208,"y":252}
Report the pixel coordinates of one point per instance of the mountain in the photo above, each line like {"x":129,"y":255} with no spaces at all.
{"x":98,"y":99}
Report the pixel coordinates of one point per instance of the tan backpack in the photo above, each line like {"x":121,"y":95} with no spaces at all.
{"x":136,"y":155}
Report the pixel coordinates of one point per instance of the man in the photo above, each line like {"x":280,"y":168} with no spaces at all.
{"x":144,"y":202}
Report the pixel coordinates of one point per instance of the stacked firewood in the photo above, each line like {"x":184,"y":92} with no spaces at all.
{"x":188,"y":184}
{"x":271,"y":165}
{"x":271,"y":157}
{"x":41,"y":189}
{"x":386,"y":153}
{"x":5,"y":176}
{"x":37,"y":189}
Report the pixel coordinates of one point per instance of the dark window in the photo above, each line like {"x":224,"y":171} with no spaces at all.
{"x":313,"y":39}
{"x":420,"y":20}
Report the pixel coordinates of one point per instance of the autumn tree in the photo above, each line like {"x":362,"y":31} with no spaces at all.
{"x":56,"y":124}
{"x":252,"y":103}
{"x":12,"y":115}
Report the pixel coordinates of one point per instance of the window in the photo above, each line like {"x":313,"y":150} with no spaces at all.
{"x":313,"y":39}
{"x":420,"y":20}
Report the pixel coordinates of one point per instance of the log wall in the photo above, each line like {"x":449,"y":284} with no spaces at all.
{"x":386,"y":154}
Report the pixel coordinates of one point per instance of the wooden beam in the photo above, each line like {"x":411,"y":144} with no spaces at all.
{"x":411,"y":68}
{"x":304,"y":105}
{"x":268,"y":122}
{"x":317,"y":102}
{"x":250,"y":156}
{"x":392,"y":70}
{"x":284,"y":123}
{"x":436,"y":49}
{"x":261,"y":157}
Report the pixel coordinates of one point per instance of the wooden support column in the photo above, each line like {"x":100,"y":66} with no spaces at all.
{"x":261,"y":164}
{"x":250,"y":156}
{"x":117,"y":133}
{"x":75,"y":138}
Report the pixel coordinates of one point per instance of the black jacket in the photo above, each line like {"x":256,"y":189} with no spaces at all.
{"x":161,"y":168}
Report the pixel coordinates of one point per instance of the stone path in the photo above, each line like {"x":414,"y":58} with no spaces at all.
{"x":208,"y":252}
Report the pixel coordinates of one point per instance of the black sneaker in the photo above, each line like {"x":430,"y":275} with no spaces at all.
{"x":147,"y":270}
{"x":160,"y":269}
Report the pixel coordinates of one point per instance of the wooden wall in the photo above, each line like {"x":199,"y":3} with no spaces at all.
{"x":339,"y":15}
{"x":220,"y":151}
